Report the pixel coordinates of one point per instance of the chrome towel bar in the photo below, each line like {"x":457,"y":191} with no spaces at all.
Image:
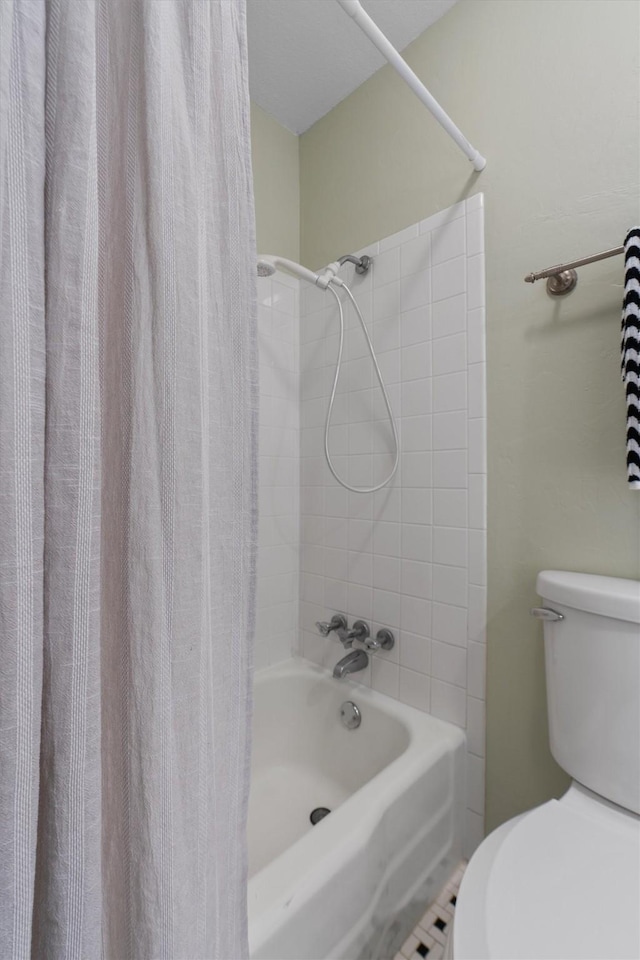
{"x":563,"y":277}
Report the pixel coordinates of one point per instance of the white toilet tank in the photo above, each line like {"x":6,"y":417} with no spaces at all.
{"x":593,"y":681}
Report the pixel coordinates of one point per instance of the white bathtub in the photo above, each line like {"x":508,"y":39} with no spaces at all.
{"x":353,"y":885}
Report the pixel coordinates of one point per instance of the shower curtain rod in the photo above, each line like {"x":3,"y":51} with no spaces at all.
{"x":386,"y":48}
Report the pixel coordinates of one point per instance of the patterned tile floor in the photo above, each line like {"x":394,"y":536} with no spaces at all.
{"x":430,"y":935}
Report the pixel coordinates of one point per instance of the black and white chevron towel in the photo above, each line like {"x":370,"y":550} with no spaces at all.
{"x":631,"y":352}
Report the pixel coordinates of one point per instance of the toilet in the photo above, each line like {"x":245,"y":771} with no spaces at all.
{"x":563,"y":880}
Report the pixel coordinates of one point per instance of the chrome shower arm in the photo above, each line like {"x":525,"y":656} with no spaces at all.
{"x":362,"y":264}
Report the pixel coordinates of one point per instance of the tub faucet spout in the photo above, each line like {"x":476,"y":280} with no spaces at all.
{"x":352,"y":663}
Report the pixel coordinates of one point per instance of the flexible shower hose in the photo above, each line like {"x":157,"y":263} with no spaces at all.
{"x":342,"y":482}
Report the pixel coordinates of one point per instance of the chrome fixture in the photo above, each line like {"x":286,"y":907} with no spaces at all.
{"x":362,"y":264}
{"x":558,"y":284}
{"x":383,"y":640}
{"x":352,"y":663}
{"x":350,"y":715}
{"x":357,"y":659}
{"x":359,"y":631}
{"x":546,"y":613}
{"x":338,"y":624}
{"x":563,"y":277}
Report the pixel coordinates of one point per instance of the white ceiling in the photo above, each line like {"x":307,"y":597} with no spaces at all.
{"x":305,"y":56}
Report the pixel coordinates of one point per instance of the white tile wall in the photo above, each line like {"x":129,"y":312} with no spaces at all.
{"x":279,"y":524}
{"x":411,"y":557}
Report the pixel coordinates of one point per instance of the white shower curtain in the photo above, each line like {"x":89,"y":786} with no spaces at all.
{"x":128,"y":405}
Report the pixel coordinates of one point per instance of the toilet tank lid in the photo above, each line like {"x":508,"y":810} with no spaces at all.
{"x":605,"y":596}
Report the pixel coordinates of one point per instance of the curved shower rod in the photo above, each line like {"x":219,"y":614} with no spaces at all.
{"x":386,"y":48}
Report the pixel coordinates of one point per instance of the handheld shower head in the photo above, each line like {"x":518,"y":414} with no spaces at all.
{"x":265,"y":269}
{"x":329,"y":280}
{"x":267,"y":266}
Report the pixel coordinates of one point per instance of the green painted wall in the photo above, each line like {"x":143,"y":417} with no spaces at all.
{"x":548,"y":91}
{"x":276,"y":184}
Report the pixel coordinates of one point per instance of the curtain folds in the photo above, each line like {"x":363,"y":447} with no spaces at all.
{"x":128,"y":406}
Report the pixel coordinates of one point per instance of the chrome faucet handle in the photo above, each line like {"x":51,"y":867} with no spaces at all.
{"x":338,"y":622}
{"x":359,"y":631}
{"x":383,"y":640}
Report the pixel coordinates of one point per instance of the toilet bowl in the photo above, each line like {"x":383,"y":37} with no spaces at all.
{"x":563,"y":880}
{"x":558,"y":883}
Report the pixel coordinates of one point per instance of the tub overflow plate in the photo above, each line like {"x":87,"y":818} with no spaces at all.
{"x":350,"y":715}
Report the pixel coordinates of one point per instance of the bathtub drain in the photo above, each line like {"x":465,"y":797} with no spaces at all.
{"x":318,"y":814}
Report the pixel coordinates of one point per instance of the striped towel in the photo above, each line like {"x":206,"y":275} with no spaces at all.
{"x":631,"y":352}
